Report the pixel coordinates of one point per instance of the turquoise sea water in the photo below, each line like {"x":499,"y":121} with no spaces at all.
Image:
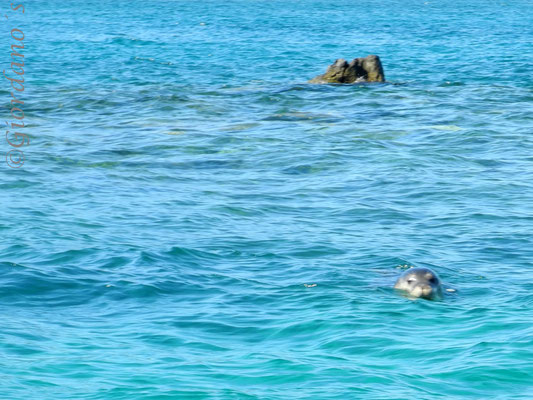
{"x":185,"y":189}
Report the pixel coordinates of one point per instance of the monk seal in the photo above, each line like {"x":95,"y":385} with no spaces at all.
{"x":420,"y":282}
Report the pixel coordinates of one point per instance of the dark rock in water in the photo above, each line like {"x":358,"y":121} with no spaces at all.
{"x":367,"y":69}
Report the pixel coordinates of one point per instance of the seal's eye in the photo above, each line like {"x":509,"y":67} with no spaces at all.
{"x":433,"y":280}
{"x":410,"y":280}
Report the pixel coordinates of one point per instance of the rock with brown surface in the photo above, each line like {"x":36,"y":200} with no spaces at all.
{"x":367,"y":69}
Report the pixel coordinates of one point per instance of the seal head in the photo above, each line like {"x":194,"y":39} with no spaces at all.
{"x":420,"y":282}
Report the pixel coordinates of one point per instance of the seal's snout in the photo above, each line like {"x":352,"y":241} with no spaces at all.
{"x":423,"y":290}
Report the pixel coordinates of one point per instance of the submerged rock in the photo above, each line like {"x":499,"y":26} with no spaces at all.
{"x":367,"y":69}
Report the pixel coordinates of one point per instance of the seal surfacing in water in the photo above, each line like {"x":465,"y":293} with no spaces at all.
{"x":420,"y":282}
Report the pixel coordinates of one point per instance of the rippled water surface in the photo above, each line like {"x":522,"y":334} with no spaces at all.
{"x":195,"y":221}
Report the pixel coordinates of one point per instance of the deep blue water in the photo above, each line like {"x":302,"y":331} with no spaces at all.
{"x":185,"y":189}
